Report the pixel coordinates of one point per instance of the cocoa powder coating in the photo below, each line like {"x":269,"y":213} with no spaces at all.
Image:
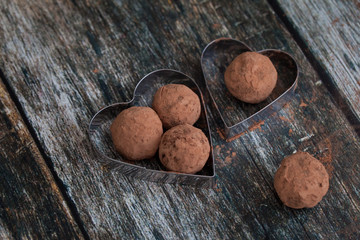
{"x":301,"y":181}
{"x":136,"y":133}
{"x":184,"y":149}
{"x":176,"y":104}
{"x":251,"y":77}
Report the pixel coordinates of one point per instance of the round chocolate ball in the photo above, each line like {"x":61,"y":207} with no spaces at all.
{"x":176,"y":104}
{"x":136,"y":133}
{"x":301,"y":181}
{"x":251,"y":77}
{"x":184,"y":149}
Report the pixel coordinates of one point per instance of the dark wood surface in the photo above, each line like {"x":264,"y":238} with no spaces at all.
{"x":330,"y":32}
{"x":64,"y":60}
{"x":31,"y":203}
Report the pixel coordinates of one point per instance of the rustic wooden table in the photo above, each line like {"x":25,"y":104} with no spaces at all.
{"x":61,"y":61}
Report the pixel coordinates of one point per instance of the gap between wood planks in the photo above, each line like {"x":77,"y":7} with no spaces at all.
{"x":340,"y":101}
{"x":73,"y":210}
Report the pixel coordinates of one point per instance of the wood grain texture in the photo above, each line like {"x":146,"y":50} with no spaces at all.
{"x":31,"y":205}
{"x":78,"y":56}
{"x":330,"y":30}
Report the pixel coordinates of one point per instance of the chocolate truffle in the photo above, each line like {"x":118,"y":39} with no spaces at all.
{"x":184,"y":149}
{"x":176,"y":104}
{"x":301,"y":181}
{"x":136,"y":133}
{"x":251,"y":77}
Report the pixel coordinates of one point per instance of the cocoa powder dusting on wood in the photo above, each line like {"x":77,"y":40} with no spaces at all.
{"x":325,"y":155}
{"x":235,"y":137}
{"x":303,"y":104}
{"x":219,"y":131}
{"x":256,"y":126}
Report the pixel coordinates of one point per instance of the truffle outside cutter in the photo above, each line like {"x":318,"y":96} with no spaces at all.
{"x":150,"y":169}
{"x":237,"y":117}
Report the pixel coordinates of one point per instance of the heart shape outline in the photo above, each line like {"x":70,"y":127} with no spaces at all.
{"x":142,"y":96}
{"x":216,"y":56}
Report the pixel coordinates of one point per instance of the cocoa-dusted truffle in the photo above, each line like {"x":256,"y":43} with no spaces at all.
{"x":184,"y":148}
{"x":176,"y":104}
{"x":301,"y":181}
{"x":251,"y":77}
{"x":136,"y":133}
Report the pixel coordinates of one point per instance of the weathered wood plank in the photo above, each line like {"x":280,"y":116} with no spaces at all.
{"x":82,"y":55}
{"x":330,"y":31}
{"x":31,"y":204}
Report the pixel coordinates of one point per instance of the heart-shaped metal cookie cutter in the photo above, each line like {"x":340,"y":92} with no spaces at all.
{"x":151,"y":169}
{"x":236,"y":117}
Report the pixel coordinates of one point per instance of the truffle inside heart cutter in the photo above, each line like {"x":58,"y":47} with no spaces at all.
{"x":234,"y":116}
{"x":151,"y":169}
